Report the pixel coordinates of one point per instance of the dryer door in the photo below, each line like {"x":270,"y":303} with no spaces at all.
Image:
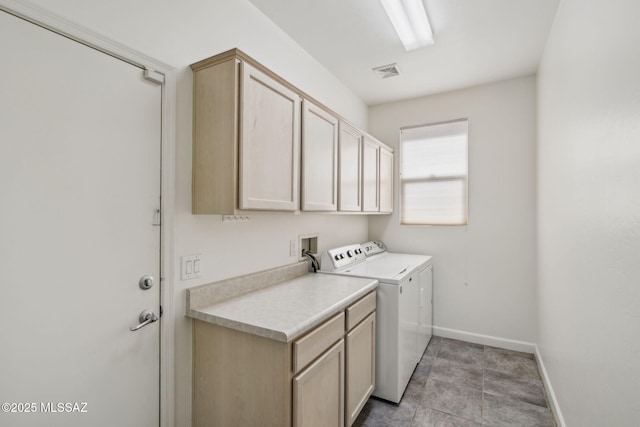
{"x":425,"y":318}
{"x":409,"y":354}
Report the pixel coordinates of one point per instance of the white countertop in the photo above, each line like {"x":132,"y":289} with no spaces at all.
{"x":289,"y":309}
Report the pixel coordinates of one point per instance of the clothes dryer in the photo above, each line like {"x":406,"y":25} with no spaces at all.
{"x":399,"y":345}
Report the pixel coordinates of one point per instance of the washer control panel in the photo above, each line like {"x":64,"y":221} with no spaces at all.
{"x":343,"y":257}
{"x":373,"y":247}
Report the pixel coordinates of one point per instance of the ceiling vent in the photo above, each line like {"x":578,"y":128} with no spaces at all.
{"x":386,"y":71}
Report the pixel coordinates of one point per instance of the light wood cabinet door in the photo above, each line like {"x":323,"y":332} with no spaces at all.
{"x":386,"y":180}
{"x":318,"y":391}
{"x":361,"y":365}
{"x":349,"y":191}
{"x":319,"y":159}
{"x":269,"y":143}
{"x":370,"y":175}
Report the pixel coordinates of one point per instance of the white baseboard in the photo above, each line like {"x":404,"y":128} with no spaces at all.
{"x":555,"y":408}
{"x":526,"y":347}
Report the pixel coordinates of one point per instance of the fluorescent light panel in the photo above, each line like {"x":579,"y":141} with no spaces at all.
{"x":410,"y":22}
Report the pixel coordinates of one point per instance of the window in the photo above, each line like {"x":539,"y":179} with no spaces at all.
{"x":433,"y":174}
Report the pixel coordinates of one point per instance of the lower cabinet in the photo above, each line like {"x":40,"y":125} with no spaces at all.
{"x":323,"y":378}
{"x":361,"y":366}
{"x":318,"y":391}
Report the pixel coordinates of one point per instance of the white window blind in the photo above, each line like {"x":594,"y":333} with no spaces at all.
{"x":433,"y":174}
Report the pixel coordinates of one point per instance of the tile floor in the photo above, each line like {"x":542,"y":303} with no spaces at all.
{"x":460,"y":384}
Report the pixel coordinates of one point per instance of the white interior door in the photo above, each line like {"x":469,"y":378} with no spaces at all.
{"x":79,"y":185}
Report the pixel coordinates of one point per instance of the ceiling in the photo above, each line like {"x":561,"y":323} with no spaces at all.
{"x":476,"y":42}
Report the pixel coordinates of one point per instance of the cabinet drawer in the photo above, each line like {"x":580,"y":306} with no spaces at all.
{"x":359,"y":310}
{"x":317,"y":341}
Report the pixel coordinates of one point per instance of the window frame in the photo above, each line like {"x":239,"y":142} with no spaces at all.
{"x":464,"y":178}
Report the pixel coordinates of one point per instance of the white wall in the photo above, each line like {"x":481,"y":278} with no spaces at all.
{"x":484,"y":274}
{"x":589,"y":212}
{"x":180,"y":33}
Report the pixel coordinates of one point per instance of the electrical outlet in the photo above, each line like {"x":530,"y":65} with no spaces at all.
{"x":293,"y":248}
{"x":191,"y":267}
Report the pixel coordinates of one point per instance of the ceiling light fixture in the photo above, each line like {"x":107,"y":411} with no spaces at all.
{"x":410,"y":22}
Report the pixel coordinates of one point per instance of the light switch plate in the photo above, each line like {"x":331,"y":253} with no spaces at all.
{"x":191,"y":267}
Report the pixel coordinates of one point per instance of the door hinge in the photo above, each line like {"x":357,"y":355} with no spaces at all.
{"x":157,"y":218}
{"x":154,"y":76}
{"x":161,"y":311}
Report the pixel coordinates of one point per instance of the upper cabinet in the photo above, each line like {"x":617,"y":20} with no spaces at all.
{"x":386,"y":180}
{"x":370,"y":175}
{"x":261,"y":144}
{"x":319,"y":159}
{"x":269,"y":143}
{"x":366,"y":173}
{"x":350,"y":160}
{"x":215,"y":135}
{"x":246,"y":144}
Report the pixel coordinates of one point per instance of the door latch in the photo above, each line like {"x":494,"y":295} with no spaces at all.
{"x":145,"y":318}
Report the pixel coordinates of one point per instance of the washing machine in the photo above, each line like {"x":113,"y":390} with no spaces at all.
{"x":403,"y":311}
